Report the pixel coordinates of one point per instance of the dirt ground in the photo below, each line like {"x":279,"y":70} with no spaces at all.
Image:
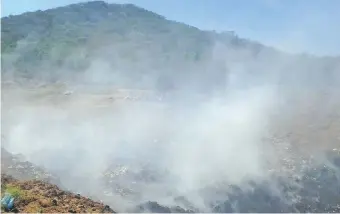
{"x":38,"y":196}
{"x":309,"y":120}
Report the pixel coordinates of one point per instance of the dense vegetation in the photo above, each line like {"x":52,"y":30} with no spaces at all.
{"x":135,"y":43}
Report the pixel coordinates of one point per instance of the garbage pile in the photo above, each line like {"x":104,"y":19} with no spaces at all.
{"x":19,"y":168}
{"x":311,"y":187}
{"x":306,"y":184}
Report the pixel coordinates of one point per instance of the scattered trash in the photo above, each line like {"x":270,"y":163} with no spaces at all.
{"x":7,"y":201}
{"x":55,"y":202}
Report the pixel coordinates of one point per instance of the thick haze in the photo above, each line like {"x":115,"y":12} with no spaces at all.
{"x":196,"y":139}
{"x":198,"y":142}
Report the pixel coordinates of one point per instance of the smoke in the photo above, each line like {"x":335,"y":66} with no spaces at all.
{"x":113,"y":115}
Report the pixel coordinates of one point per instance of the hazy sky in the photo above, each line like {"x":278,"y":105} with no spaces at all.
{"x":293,"y":25}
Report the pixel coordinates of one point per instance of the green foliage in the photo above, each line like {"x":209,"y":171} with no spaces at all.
{"x":142,"y":42}
{"x":15,"y":191}
{"x":139,"y":42}
{"x":96,"y":25}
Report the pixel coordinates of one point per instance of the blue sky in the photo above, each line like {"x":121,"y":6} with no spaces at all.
{"x":293,"y":25}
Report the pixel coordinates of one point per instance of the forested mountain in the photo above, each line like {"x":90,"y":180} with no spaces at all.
{"x":124,"y":45}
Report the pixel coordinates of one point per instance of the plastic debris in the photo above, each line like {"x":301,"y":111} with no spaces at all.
{"x":10,"y":204}
{"x":7,"y":201}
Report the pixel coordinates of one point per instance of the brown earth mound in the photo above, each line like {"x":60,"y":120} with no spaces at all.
{"x":39,"y":196}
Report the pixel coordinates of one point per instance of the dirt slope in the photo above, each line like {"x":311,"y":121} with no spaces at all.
{"x":39,"y":196}
{"x":37,"y":190}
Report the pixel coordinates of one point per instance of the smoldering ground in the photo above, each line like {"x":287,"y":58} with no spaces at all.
{"x":258,"y":146}
{"x":80,"y":140}
{"x":131,"y":152}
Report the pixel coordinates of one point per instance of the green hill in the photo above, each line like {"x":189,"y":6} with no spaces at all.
{"x":128,"y":46}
